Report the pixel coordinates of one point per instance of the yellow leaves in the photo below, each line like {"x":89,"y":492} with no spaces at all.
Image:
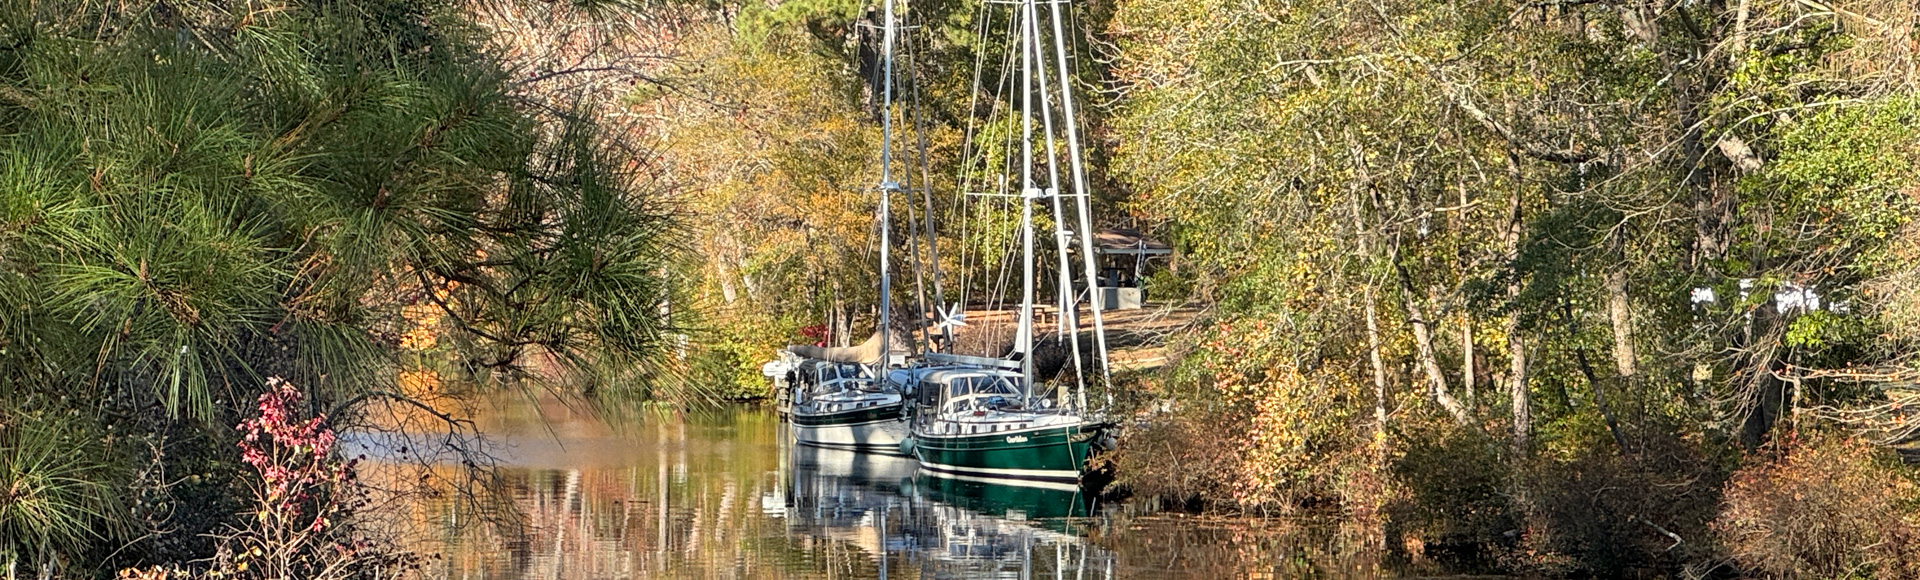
{"x":423,"y":321}
{"x":1298,"y":422}
{"x":154,"y":573}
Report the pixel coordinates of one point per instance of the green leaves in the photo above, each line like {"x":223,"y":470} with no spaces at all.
{"x":58,"y":489}
{"x":166,"y":287}
{"x":1565,"y":180}
{"x":188,"y":204}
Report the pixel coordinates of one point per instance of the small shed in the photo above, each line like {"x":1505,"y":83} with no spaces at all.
{"x":1124,"y":255}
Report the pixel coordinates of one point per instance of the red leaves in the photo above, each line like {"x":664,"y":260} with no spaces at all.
{"x":303,"y":489}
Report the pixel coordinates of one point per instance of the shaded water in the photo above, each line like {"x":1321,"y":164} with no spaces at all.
{"x":726,"y":495}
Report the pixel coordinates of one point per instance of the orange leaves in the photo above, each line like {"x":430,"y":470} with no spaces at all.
{"x":1286,"y":422}
{"x":1827,"y":507}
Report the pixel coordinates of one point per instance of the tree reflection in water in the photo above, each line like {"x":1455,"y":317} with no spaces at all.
{"x":724,"y":495}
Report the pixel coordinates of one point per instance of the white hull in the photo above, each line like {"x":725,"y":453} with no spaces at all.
{"x":883,"y":435}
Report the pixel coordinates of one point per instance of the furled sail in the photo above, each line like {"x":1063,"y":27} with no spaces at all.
{"x":866,"y":353}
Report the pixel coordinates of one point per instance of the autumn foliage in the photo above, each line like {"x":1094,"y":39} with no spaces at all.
{"x":305,"y":499}
{"x":1825,"y":508}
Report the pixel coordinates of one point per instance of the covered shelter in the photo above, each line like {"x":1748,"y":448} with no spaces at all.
{"x":1123,"y":255}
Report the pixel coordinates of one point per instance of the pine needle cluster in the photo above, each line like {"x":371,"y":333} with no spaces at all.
{"x":196,"y":194}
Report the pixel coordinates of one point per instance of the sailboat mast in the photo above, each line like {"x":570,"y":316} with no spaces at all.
{"x":887,"y":186}
{"x":1068,"y":322}
{"x":926,"y":194}
{"x":1023,"y":342}
{"x":1081,"y":202}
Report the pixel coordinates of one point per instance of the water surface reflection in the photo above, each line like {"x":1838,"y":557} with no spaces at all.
{"x":725,"y":495}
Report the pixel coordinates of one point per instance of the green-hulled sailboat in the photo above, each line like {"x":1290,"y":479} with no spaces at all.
{"x":979,"y":417}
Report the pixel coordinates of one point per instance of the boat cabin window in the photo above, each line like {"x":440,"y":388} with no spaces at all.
{"x":830,"y":371}
{"x":979,"y":392}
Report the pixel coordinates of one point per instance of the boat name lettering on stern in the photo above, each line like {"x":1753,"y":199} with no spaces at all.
{"x":1016,"y":438}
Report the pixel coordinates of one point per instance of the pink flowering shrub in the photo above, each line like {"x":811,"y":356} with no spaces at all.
{"x":304,"y":501}
{"x":299,"y":477}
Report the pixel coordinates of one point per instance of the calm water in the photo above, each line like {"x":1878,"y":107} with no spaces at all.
{"x":725,"y":495}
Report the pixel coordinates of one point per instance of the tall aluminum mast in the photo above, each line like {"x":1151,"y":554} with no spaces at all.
{"x":1081,"y":202}
{"x":887,"y":187}
{"x":1023,"y":342}
{"x":1068,"y":323}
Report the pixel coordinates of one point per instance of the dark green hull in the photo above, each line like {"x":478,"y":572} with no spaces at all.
{"x":1050,"y":455}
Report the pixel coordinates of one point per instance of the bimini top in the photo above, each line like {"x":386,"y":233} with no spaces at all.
{"x":946,"y":376}
{"x":1128,"y":241}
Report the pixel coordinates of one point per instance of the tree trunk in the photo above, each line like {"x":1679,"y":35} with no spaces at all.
{"x":1379,"y":380}
{"x":1600,"y":398}
{"x":839,"y":325}
{"x":1618,"y":313}
{"x":1758,"y":359}
{"x":1466,"y":357}
{"x":1423,"y":346}
{"x":1516,"y":344}
{"x":727,"y":292}
{"x":1739,"y":34}
{"x":1365,"y":235}
{"x":1517,"y":387}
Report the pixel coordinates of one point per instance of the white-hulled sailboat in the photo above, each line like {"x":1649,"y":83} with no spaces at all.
{"x":837,"y":403}
{"x":841,"y":399}
{"x":979,"y":417}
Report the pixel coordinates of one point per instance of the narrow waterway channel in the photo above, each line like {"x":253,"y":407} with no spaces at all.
{"x":725,"y":494}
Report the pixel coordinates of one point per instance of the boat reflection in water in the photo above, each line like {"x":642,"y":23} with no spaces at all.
{"x":919,"y":524}
{"x":726,"y":495}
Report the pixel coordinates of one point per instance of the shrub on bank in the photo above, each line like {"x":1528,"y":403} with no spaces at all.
{"x":1826,"y":507}
{"x":1452,"y":490}
{"x":1241,"y":425}
{"x":1596,"y":509}
{"x":303,"y":517}
{"x":1184,"y":461}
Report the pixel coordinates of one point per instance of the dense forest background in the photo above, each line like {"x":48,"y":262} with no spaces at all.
{"x":1568,"y":288}
{"x":1576,"y":287}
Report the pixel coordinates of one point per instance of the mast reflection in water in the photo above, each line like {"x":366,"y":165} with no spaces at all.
{"x":937,"y":527}
{"x":724,"y":495}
